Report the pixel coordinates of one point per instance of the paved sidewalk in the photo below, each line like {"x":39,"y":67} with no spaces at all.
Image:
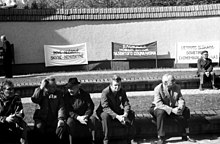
{"x":201,"y":139}
{"x":150,"y":93}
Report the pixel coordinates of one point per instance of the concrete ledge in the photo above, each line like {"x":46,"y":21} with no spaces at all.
{"x":141,"y":84}
{"x":201,"y":122}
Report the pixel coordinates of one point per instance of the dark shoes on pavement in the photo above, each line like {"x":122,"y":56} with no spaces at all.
{"x":161,"y":140}
{"x":187,"y":138}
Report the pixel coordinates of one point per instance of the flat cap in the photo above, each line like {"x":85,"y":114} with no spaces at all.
{"x":205,"y":51}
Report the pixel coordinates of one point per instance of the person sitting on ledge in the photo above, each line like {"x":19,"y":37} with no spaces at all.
{"x":79,"y":107}
{"x":13,"y":129}
{"x":205,"y":69}
{"x":169,"y":103}
{"x":114,"y":108}
{"x":49,"y":119}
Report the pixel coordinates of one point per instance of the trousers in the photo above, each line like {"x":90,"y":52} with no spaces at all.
{"x":160,"y":115}
{"x":202,"y":77}
{"x":108,"y":121}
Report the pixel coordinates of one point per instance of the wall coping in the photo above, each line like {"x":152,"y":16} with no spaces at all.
{"x":109,"y":13}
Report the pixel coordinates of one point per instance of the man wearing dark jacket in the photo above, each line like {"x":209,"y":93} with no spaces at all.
{"x":115,"y":108}
{"x":8,"y":57}
{"x":79,"y":107}
{"x":205,"y":69}
{"x":13,"y":129}
{"x":51,"y":114}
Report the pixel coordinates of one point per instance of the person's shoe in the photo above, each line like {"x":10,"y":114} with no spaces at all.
{"x":161,"y":140}
{"x":23,"y":141}
{"x":105,"y":142}
{"x":187,"y":138}
{"x":200,"y":88}
{"x":214,"y":88}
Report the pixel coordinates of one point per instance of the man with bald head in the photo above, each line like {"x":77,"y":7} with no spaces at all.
{"x":169,"y":103}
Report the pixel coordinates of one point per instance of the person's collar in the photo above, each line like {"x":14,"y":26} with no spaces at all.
{"x":77,"y":94}
{"x":113,"y":93}
{"x":204,"y":58}
{"x":166,"y":88}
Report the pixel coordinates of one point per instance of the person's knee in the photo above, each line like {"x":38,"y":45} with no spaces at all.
{"x":186,"y":113}
{"x":212,"y":73}
{"x":39,"y":127}
{"x":93,"y":119}
{"x":92,"y":122}
{"x":160,"y":113}
{"x":70,"y":122}
{"x":105,"y":116}
{"x":201,"y":74}
{"x":131,"y":114}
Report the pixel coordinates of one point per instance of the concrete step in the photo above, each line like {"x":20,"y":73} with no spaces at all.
{"x":146,"y":93}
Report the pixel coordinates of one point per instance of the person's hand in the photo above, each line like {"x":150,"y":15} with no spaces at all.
{"x":82,"y":119}
{"x":175,"y":110}
{"x":60,"y":123}
{"x":125,"y":115}
{"x":11,"y":119}
{"x":207,"y":74}
{"x":126,"y":120}
{"x":120,"y":118}
{"x":181,"y":109}
{"x":43,"y":84}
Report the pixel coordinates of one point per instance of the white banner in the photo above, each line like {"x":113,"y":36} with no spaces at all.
{"x":60,"y":55}
{"x":190,"y":52}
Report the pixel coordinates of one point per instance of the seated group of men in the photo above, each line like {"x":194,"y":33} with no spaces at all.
{"x":63,"y":116}
{"x":67,"y":117}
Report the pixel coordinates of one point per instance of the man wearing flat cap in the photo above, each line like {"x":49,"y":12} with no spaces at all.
{"x":79,"y":107}
{"x":205,"y":69}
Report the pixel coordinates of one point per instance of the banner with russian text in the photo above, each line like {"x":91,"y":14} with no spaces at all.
{"x":126,"y":51}
{"x":190,"y":52}
{"x":60,"y":55}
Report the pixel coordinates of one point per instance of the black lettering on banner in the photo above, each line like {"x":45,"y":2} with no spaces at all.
{"x":69,"y":51}
{"x":56,"y":57}
{"x":192,"y":52}
{"x":119,"y":53}
{"x":188,"y":57}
